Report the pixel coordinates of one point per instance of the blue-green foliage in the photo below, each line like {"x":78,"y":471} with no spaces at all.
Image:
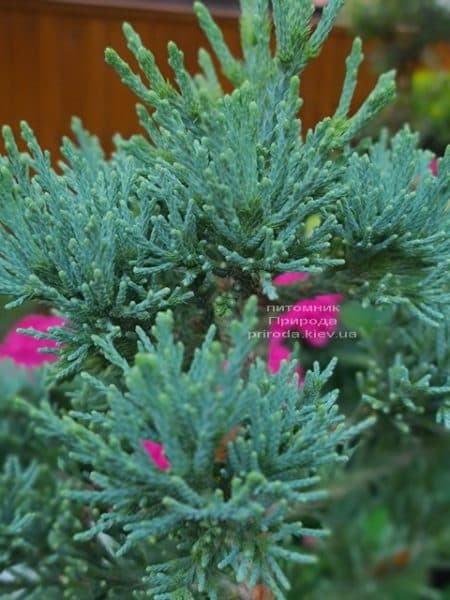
{"x":409,"y":373}
{"x":239,"y":181}
{"x":230,"y":515}
{"x":17,"y":511}
{"x":224,"y":186}
{"x":75,"y":240}
{"x":394,"y":220}
{"x":196,"y":217}
{"x":17,"y":434}
{"x":39,"y":559}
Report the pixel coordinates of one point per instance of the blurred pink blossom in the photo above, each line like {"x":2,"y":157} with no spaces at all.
{"x":315,"y":318}
{"x":24,"y":349}
{"x":156,"y":453}
{"x":289,"y":278}
{"x":434,"y":166}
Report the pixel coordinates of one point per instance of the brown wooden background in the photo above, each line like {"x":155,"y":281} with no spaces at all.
{"x":52,"y":66}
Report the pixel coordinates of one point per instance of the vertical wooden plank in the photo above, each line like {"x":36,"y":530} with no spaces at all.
{"x":53,"y":79}
{"x":82,"y":56}
{"x":93,"y":114}
{"x":20,"y":70}
{"x":6,"y":54}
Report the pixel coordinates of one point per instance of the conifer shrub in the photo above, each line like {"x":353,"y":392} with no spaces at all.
{"x":244,"y":391}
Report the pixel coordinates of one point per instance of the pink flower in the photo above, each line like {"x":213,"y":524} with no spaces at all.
{"x":434,"y":166}
{"x":309,"y":541}
{"x":156,"y":453}
{"x":288,"y":278}
{"x":24,"y":349}
{"x":315,"y":318}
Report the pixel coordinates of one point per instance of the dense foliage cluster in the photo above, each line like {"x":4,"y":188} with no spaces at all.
{"x":168,"y":451}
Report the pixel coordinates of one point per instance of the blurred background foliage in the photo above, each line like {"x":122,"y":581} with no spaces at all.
{"x":9,"y":317}
{"x":399,"y":541}
{"x":406,"y":36}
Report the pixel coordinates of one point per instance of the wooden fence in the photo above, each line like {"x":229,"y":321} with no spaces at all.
{"x":52,"y":66}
